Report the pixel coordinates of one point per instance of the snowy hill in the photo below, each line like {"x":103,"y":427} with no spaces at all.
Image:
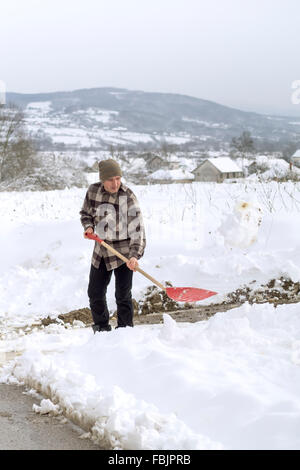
{"x":100,"y":117}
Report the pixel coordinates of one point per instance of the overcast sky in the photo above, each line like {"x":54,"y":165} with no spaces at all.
{"x":241,"y":53}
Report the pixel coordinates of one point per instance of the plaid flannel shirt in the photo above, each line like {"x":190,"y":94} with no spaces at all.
{"x":117,"y":219}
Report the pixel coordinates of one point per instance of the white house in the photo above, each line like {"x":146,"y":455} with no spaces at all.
{"x":172,"y":162}
{"x":217,"y":169}
{"x":295,"y":159}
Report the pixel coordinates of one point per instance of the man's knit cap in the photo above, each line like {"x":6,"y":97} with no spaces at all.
{"x":108,"y":169}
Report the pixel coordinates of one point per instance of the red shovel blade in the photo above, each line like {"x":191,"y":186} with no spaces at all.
{"x":188,"y":294}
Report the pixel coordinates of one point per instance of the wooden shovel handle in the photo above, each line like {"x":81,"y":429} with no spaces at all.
{"x":123,"y":258}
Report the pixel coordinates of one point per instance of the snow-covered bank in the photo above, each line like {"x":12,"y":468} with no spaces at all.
{"x":231,"y":382}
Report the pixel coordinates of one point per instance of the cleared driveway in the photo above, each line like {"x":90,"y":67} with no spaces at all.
{"x":22,"y":429}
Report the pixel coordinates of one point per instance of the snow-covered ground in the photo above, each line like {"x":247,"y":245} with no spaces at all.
{"x":271,"y":168}
{"x":172,"y":175}
{"x":89,"y":127}
{"x":231,"y":382}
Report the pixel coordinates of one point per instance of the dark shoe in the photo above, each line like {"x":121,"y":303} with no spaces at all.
{"x":97,"y":328}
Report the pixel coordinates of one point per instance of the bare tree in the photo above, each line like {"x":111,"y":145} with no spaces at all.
{"x":167,"y":148}
{"x":243,"y":144}
{"x":16,"y":148}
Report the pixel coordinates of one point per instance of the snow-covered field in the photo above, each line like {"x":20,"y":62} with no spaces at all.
{"x":231,"y":382}
{"x":81,"y":128}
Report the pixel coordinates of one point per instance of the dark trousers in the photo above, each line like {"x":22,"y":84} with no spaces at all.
{"x":99,"y":280}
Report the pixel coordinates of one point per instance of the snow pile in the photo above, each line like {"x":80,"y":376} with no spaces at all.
{"x":46,"y":407}
{"x":176,"y":174}
{"x":231,"y":382}
{"x":270,"y":168}
{"x":277,"y":169}
{"x":240,"y":229}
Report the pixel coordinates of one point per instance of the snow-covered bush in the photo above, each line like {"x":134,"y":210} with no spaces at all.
{"x":17,"y":150}
{"x":48,"y":172}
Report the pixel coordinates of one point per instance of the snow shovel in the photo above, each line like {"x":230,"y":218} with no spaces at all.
{"x":180,"y":294}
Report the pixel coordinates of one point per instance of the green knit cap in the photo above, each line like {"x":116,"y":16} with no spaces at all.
{"x":108,"y":169}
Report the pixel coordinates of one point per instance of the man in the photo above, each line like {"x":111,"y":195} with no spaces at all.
{"x":111,"y":210}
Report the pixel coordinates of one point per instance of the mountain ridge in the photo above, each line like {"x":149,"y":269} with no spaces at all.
{"x":159,"y":114}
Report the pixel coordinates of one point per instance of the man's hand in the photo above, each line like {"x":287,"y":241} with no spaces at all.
{"x":132,"y":264}
{"x":88,"y":230}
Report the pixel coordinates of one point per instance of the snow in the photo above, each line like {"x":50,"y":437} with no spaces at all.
{"x":175,"y":139}
{"x":88,"y":128}
{"x":275,"y":168}
{"x":46,"y":407}
{"x":39,"y":107}
{"x":99,"y":115}
{"x":173,"y":175}
{"x":221,"y":125}
{"x":224,"y":164}
{"x":231,"y":382}
{"x":135,"y":166}
{"x":241,"y":228}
